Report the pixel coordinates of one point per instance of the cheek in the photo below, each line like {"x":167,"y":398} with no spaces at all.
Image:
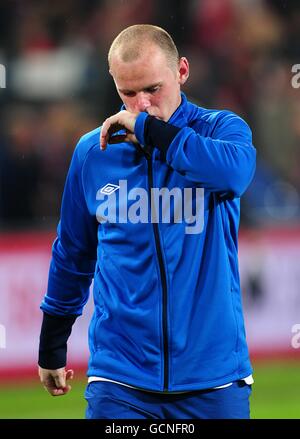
{"x":158,"y":101}
{"x":129,"y":104}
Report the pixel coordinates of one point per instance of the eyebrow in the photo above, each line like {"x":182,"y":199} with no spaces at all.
{"x":143,"y":89}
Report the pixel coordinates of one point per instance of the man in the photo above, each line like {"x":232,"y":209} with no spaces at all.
{"x":153,"y":218}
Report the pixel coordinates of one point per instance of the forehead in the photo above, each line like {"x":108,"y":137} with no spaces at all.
{"x":150,"y":67}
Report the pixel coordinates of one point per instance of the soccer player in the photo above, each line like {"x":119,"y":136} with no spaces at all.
{"x":150,"y":211}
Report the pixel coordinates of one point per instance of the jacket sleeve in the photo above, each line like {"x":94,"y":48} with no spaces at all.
{"x":74,"y":250}
{"x":222,"y":162}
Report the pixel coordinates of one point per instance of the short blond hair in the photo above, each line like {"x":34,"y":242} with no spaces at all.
{"x":129,"y":44}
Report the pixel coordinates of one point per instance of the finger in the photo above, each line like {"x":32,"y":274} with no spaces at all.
{"x":120,"y":138}
{"x":60,"y":381}
{"x":131,"y":138}
{"x":51,"y":388}
{"x":114,"y":135}
{"x":54,"y":391}
{"x":58,"y":392}
{"x":115,"y":127}
{"x":105,"y":133}
{"x":70,"y":374}
{"x":103,"y":136}
{"x":110,"y":126}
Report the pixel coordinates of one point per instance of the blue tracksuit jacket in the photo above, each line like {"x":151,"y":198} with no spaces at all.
{"x":168,"y":313}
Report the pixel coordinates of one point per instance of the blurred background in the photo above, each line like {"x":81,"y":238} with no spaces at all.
{"x":54,"y":87}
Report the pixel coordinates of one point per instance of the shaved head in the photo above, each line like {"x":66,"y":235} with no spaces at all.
{"x":130,"y":44}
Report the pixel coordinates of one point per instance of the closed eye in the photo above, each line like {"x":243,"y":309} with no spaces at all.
{"x":130,"y":94}
{"x":152,"y":89}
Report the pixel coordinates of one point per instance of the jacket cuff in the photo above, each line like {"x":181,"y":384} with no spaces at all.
{"x":153,"y":132}
{"x":55,"y":332}
{"x":139,"y":127}
{"x":159,"y":134}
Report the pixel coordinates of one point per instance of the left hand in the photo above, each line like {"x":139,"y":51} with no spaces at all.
{"x":55,"y":380}
{"x":122,"y":120}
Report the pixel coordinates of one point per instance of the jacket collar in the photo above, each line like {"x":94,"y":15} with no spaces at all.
{"x":180,"y":116}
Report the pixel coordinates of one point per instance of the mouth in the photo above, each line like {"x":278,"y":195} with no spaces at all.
{"x":154,"y":115}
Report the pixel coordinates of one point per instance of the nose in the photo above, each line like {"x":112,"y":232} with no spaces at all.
{"x":142,"y":102}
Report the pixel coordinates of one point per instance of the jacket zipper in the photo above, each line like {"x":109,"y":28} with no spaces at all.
{"x":163,"y":282}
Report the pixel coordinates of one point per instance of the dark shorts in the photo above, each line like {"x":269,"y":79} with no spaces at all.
{"x":108,"y":400}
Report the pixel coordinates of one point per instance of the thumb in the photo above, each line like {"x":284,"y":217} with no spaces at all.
{"x":130,"y":137}
{"x":70,"y":374}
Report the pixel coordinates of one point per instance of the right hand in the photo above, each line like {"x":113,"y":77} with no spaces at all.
{"x":122,"y":120}
{"x":55,"y":380}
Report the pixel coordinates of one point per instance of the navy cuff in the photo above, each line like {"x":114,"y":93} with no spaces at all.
{"x":159,"y":134}
{"x":152,"y":132}
{"x":55,"y":332}
{"x":139,"y":127}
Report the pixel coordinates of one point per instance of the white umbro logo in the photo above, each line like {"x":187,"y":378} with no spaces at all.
{"x":109,"y":188}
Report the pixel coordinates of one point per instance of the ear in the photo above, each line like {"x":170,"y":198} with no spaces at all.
{"x":183,"y":70}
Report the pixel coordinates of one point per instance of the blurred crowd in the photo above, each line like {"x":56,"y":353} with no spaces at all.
{"x":241,"y":54}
